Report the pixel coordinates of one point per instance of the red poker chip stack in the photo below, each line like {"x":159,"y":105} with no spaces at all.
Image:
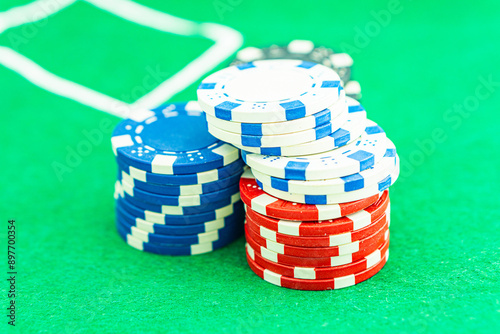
{"x":294,"y":245}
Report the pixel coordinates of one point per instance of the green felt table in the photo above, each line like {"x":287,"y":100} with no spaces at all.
{"x":430,"y":77}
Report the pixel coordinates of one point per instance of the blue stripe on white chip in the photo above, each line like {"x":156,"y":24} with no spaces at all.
{"x":269,"y":91}
{"x":388,"y":178}
{"x":357,"y":156}
{"x":349,"y":130}
{"x":330,"y":114}
{"x":286,"y":139}
{"x":342,"y":184}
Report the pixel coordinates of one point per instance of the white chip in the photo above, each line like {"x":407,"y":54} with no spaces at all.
{"x":249,"y":54}
{"x":301,"y":46}
{"x":269,"y":91}
{"x":341,"y":60}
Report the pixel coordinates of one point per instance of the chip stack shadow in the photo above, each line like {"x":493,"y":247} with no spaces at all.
{"x":316,"y":192}
{"x":177,"y":191}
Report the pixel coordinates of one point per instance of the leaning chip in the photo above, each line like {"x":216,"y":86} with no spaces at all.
{"x":306,"y":50}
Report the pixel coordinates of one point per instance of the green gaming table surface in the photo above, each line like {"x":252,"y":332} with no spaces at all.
{"x":430,"y":77}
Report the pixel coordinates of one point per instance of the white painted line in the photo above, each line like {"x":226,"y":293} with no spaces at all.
{"x":227,"y":41}
{"x":31,"y":12}
{"x":148,"y":17}
{"x":60,"y":86}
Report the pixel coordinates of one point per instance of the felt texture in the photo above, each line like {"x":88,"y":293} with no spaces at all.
{"x":75,"y":274}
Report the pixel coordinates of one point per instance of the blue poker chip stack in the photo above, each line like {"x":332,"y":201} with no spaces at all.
{"x":177,"y":191}
{"x":310,"y":148}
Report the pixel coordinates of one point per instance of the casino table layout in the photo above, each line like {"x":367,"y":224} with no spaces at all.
{"x":430,"y":76}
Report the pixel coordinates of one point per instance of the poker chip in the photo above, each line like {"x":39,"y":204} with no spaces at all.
{"x":305,"y":50}
{"x":353,"y":89}
{"x":207,"y":226}
{"x":183,"y":240}
{"x":355,"y":195}
{"x":259,"y":201}
{"x":347,"y":133}
{"x":173,"y":140}
{"x":317,"y":273}
{"x":263,"y":129}
{"x":235,"y":205}
{"x":301,"y":50}
{"x":319,"y":284}
{"x":164,"y":249}
{"x":343,"y":184}
{"x":179,"y":201}
{"x":349,"y":223}
{"x":173,"y":210}
{"x":183,"y":179}
{"x":346,"y":160}
{"x":177,"y":191}
{"x":269,"y":91}
{"x":315,"y":256}
{"x":294,"y":138}
{"x":318,"y":241}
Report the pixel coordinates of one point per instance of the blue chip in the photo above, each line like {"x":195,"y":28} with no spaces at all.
{"x":237,"y":217}
{"x":176,"y":190}
{"x":177,"y":211}
{"x":228,"y":207}
{"x":166,"y":249}
{"x":181,"y":201}
{"x":172,"y":139}
{"x":184,"y":179}
{"x":180,"y":240}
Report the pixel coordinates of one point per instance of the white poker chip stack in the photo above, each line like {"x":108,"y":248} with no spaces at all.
{"x":310,"y":149}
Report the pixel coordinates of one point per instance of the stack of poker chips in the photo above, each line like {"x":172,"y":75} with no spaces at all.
{"x":306,"y":50}
{"x":317,"y":204}
{"x":177,"y":191}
